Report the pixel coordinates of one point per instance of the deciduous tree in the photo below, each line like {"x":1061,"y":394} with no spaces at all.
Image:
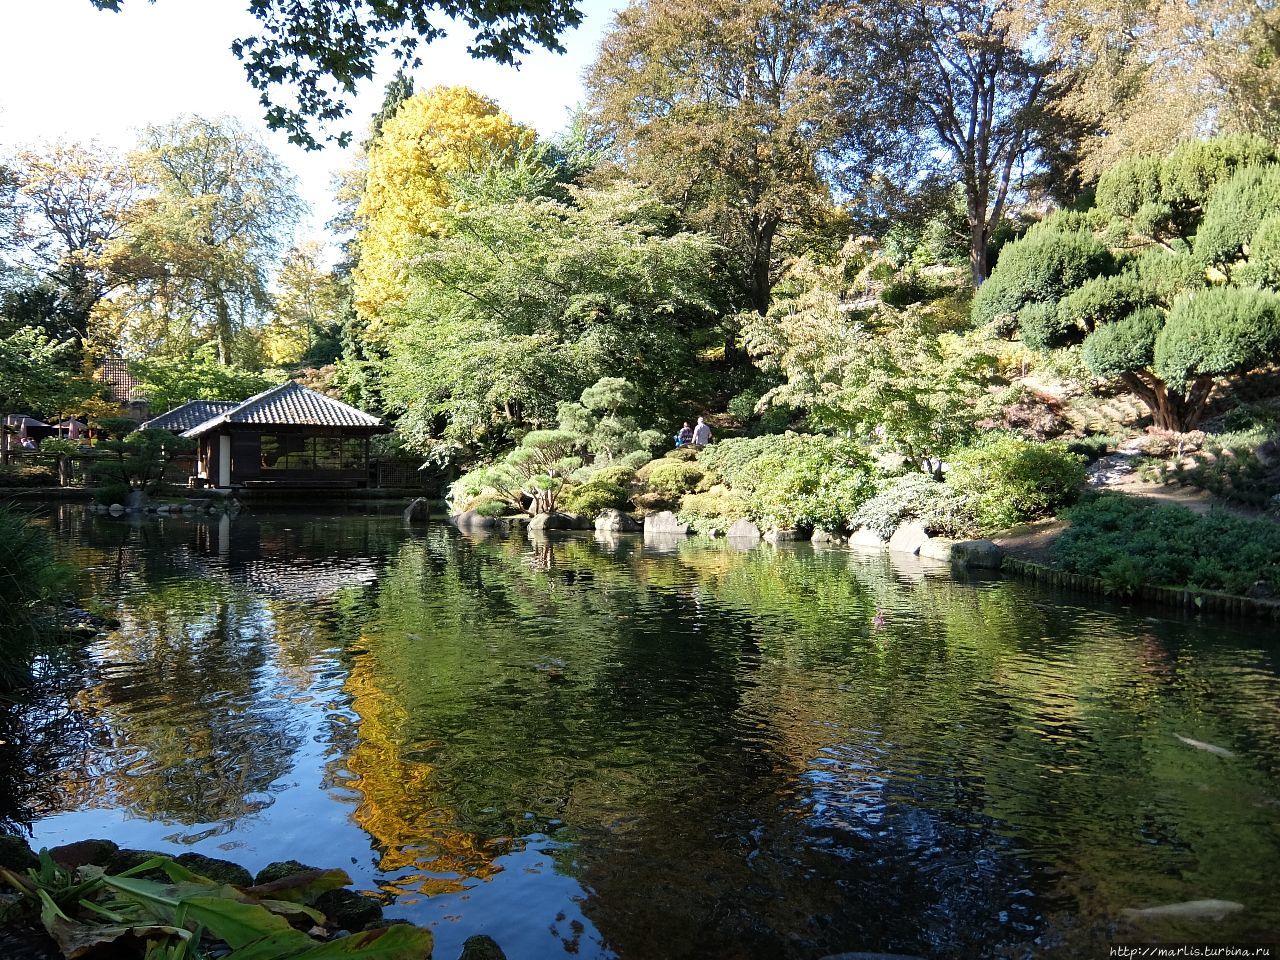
{"x":319,"y":50}
{"x":199,"y":248}
{"x":727,"y":109}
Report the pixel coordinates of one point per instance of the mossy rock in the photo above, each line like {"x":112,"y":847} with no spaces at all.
{"x":481,"y":947}
{"x":72,"y":856}
{"x":16,"y":854}
{"x":348,"y":910}
{"x":279,"y":870}
{"x":219,"y":871}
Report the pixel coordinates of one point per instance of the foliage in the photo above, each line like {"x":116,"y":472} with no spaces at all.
{"x":137,"y":461}
{"x":672,"y":478}
{"x":724,"y":108}
{"x":30,"y":577}
{"x":714,"y":510}
{"x":916,"y":378}
{"x":1041,"y":268}
{"x":1135,"y":542}
{"x":524,"y":302}
{"x":306,"y":321}
{"x":169,"y":381}
{"x":595,"y":496}
{"x":794,"y":479}
{"x":954,"y":89}
{"x":73,"y":199}
{"x":320,"y":53}
{"x":1148,"y":320}
{"x":1218,"y":332}
{"x":915,"y":496}
{"x":34,"y":374}
{"x":605,"y":416}
{"x":198,"y":248}
{"x":1007,"y":480}
{"x":26,"y":475}
{"x":88,"y":910}
{"x":432,"y":137}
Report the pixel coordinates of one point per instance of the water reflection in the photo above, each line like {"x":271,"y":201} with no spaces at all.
{"x":633,"y":748}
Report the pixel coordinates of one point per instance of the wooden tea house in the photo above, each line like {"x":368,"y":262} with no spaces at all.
{"x":286,"y":437}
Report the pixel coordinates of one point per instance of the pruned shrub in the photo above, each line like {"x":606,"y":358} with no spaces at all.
{"x":590,"y":499}
{"x":1040,"y":268}
{"x":915,"y":496}
{"x":715,"y":510}
{"x":673,"y":477}
{"x":1007,"y":480}
{"x":794,"y":479}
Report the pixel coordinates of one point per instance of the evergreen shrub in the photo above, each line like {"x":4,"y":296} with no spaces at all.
{"x":1007,"y":480}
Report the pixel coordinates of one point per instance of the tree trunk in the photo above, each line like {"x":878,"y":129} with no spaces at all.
{"x":224,"y":332}
{"x":1170,"y":409}
{"x":978,"y":260}
{"x":4,"y":441}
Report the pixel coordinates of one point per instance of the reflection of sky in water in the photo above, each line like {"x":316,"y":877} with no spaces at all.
{"x":656,"y":749}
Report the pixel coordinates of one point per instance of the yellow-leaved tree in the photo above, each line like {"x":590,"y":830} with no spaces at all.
{"x":433,"y":135}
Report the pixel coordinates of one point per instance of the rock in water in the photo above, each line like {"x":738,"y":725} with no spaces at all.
{"x":908,"y":538}
{"x":977,"y":555}
{"x":418,"y":509}
{"x":1187,"y":910}
{"x":348,"y":909}
{"x":615,"y":521}
{"x":782,"y":535}
{"x":481,"y":947}
{"x":936,"y":548}
{"x":1208,"y":747}
{"x":743,"y":530}
{"x":866,"y":537}
{"x":664,"y":523}
{"x":219,"y":871}
{"x":279,"y":870}
{"x":554,"y":521}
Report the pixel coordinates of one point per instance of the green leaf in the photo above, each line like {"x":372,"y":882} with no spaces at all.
{"x":240,"y":924}
{"x":399,"y":942}
{"x":301,"y":887}
{"x":82,"y":939}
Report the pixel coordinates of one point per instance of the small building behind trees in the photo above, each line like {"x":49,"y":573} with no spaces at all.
{"x":285,"y":437}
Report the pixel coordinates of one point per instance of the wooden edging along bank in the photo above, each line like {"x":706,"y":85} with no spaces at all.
{"x":1184,"y":598}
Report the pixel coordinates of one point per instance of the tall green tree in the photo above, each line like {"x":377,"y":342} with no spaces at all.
{"x":726,"y":109}
{"x":523,"y":301}
{"x":200,"y":248}
{"x":964,"y":86}
{"x":73,"y":199}
{"x":318,"y":51}
{"x":1186,"y":298}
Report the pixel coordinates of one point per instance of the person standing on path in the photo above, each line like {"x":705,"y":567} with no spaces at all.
{"x":701,"y":434}
{"x":685,"y":435}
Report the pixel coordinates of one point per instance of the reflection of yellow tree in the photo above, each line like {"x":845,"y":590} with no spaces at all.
{"x":400,"y":807}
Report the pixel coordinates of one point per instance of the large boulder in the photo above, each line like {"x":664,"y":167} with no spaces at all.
{"x":783,"y":535}
{"x":977,"y":555}
{"x":615,"y":521}
{"x":868,"y":538}
{"x":908,"y":538}
{"x":936,"y":548}
{"x":664,"y":523}
{"x":825,"y":536}
{"x":473,"y":520}
{"x":73,"y":856}
{"x":555,"y":521}
{"x":743,"y":530}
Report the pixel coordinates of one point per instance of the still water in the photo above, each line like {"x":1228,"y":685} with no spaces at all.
{"x":611,"y":748}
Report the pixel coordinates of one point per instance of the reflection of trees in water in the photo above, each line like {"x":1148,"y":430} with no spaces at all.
{"x":220,"y":620}
{"x":730,"y":734}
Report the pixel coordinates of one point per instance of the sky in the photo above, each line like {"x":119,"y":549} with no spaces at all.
{"x":69,"y":71}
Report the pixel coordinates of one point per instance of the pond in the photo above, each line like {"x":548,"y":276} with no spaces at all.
{"x":604,"y":747}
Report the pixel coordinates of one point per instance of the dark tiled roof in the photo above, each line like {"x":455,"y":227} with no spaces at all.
{"x":114,"y":371}
{"x":291,"y":405}
{"x":20,"y":420}
{"x":189,"y":415}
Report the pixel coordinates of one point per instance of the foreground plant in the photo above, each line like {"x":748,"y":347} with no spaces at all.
{"x":91,"y":914}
